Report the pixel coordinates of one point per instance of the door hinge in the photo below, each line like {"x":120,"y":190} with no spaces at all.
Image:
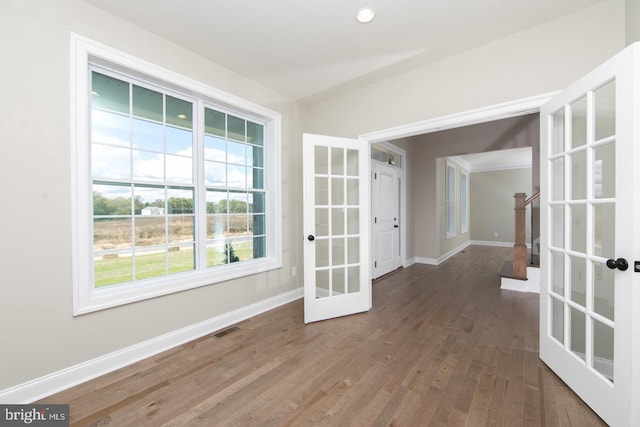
{"x":375,"y":264}
{"x":375,"y":219}
{"x":375,"y":175}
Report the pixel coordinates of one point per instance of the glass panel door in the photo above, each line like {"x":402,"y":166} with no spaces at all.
{"x":336,"y":203}
{"x":586,"y":312}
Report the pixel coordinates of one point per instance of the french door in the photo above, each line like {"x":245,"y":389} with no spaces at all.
{"x":336,"y":225}
{"x":590,"y":222}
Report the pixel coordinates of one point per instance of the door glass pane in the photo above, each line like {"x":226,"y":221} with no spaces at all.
{"x":322,"y":221}
{"x":322,"y":252}
{"x":353,"y":220}
{"x":337,"y":191}
{"x":604,"y":171}
{"x":579,"y":123}
{"x":353,"y":279}
{"x":321,"y":160}
{"x":557,"y":319}
{"x":557,"y":144}
{"x":557,"y":226}
{"x":578,"y":280}
{"x":337,"y":161}
{"x":338,"y":281}
{"x":557,"y":269}
{"x":337,"y":221}
{"x":322,"y":191}
{"x":322,"y":284}
{"x":557,"y":186}
{"x":604,"y":237}
{"x":353,"y":250}
{"x":603,"y":349}
{"x":577,"y":327}
{"x":579,"y":175}
{"x":603,"y":290}
{"x":352,"y":192}
{"x":579,"y":228}
{"x":352,"y":163}
{"x":605,"y":110}
{"x":337,"y":251}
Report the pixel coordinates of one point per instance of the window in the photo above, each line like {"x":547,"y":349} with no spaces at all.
{"x":450,"y":201}
{"x":176,"y":183}
{"x":464,"y":201}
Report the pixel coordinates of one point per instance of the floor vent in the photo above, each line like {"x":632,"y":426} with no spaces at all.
{"x":226,"y":331}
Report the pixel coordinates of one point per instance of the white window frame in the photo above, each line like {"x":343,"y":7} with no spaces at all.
{"x":450,"y":204}
{"x":86,"y":298}
{"x":464,"y":201}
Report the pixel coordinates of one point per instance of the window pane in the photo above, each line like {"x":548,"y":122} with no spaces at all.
{"x":255,"y":133}
{"x":557,"y":168}
{"x":147,"y":103}
{"x":557,"y":273}
{"x":215,"y":149}
{"x":179,"y":141}
{"x":147,"y":166}
{"x":214,"y":123}
{"x":110,"y":162}
{"x":181,"y":258}
{"x":110,"y":128}
{"x":604,"y":238}
{"x":216,"y":254}
{"x":109,"y":93}
{"x":579,"y":280}
{"x":603,"y":290}
{"x":215,"y":173}
{"x":338,"y":252}
{"x":322,"y":222}
{"x":255,"y":156}
{"x":181,"y":228}
{"x":236,"y":128}
{"x":112,"y":269}
{"x":337,"y":191}
{"x":579,"y":175}
{"x":604,"y":171}
{"x":111,"y":199}
{"x":179,"y":112}
{"x":353,"y":192}
{"x":557,"y":319}
{"x":179,"y":201}
{"x":321,"y":160}
{"x":259,"y":247}
{"x":149,"y":200}
{"x":579,"y":228}
{"x":237,"y":176}
{"x":577,"y":322}
{"x":148,"y":135}
{"x":217,"y":226}
{"x":217,"y":201}
{"x":236,"y":153}
{"x":337,"y":161}
{"x":255,"y":178}
{"x":557,"y":144}
{"x":179,"y":169}
{"x":257,"y":225}
{"x":337,"y":221}
{"x":256,"y":203}
{"x":353,"y":279}
{"x":352,"y":162}
{"x":149,"y":230}
{"x":149,"y":263}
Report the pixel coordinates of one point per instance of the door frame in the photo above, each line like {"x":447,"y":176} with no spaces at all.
{"x":403,"y":199}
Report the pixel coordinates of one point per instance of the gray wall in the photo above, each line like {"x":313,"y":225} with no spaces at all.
{"x":39,"y":333}
{"x":424,"y":172}
{"x":492,"y":204}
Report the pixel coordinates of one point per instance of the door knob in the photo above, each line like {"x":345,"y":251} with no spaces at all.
{"x":311,"y":238}
{"x":620,"y":263}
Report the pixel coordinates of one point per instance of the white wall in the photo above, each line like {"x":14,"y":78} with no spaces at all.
{"x":39,"y":333}
{"x":539,"y":60}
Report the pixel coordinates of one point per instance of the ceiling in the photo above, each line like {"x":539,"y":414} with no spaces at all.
{"x":308,"y":49}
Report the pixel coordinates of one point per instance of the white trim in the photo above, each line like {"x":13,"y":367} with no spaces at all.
{"x":87,"y":299}
{"x":443,"y":258}
{"x":505,"y":110}
{"x":57,"y":381}
{"x":492,"y":243}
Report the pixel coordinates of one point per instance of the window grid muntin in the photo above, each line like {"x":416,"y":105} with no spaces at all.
{"x":198,"y":244}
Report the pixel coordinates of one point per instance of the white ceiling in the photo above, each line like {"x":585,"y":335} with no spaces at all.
{"x":307,"y":49}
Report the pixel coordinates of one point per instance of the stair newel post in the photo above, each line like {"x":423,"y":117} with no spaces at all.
{"x":520,"y":247}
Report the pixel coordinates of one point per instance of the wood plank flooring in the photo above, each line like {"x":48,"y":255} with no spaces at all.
{"x":442,"y":346}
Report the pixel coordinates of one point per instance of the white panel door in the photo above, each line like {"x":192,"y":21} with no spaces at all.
{"x":337,"y":278}
{"x":385,"y":195}
{"x":590,"y":294}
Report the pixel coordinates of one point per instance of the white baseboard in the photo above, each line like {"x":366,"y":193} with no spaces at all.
{"x":55,"y":382}
{"x":444,"y":257}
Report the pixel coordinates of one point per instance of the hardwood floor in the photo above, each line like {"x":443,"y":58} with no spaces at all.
{"x":442,"y":346}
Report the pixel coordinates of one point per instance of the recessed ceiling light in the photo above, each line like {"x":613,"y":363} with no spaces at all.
{"x":182,"y":116}
{"x":94,"y":93}
{"x":365,"y":15}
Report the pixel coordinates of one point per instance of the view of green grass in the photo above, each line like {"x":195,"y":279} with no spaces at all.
{"x":110,"y":271}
